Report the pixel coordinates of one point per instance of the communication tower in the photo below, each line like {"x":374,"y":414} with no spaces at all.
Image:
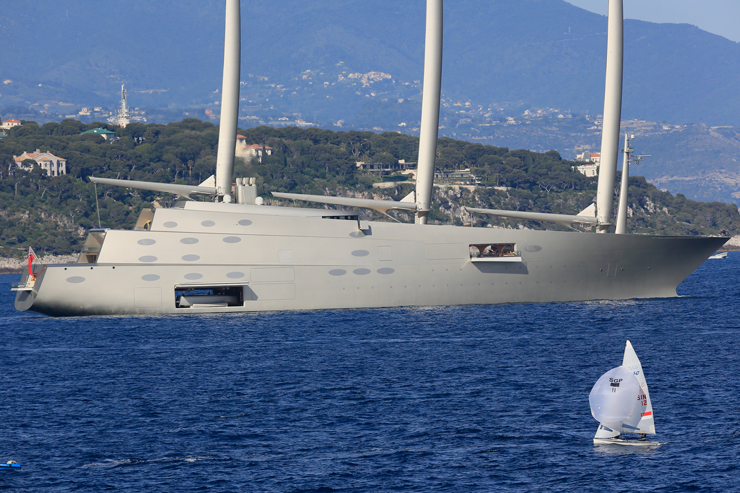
{"x":123,"y":116}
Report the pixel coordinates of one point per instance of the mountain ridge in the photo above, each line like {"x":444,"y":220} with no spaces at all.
{"x":539,"y":52}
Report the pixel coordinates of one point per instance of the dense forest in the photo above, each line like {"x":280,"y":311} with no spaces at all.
{"x":52,"y":213}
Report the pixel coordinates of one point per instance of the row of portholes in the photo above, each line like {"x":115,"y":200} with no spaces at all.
{"x":189,"y":241}
{"x":193,"y":276}
{"x":186,"y":258}
{"x":207,"y":223}
{"x":361,"y":272}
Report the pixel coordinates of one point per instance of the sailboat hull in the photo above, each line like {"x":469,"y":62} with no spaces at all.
{"x":272,"y":261}
{"x":621,"y":441}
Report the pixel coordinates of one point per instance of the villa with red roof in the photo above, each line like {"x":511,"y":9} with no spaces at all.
{"x":53,"y":165}
{"x":250,"y":151}
{"x":10,"y":124}
{"x":592,"y":160}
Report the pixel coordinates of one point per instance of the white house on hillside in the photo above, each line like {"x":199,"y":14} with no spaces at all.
{"x":53,"y":165}
{"x":10,"y":124}
{"x":589,"y":157}
{"x":249,"y":151}
{"x":592,"y":160}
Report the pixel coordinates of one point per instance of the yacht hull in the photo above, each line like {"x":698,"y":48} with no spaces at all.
{"x":258,"y":262}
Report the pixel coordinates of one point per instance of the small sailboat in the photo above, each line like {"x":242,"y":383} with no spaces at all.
{"x":718,"y":255}
{"x":620,"y":402}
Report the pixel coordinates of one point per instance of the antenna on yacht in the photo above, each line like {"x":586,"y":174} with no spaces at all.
{"x":612,"y":114}
{"x":229,"y":102}
{"x":621,"y":227}
{"x":429,"y":110}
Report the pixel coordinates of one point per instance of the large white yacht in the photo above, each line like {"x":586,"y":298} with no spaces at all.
{"x":233,"y":254}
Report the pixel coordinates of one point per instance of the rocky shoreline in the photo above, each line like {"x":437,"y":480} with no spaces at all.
{"x":733,"y":245}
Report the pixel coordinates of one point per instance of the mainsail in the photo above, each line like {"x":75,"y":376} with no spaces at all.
{"x":645,"y":423}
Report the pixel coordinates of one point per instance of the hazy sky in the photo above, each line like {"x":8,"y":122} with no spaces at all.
{"x":716,"y":16}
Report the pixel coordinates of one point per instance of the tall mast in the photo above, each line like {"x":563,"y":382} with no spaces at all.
{"x":621,"y":227}
{"x":612,"y":114}
{"x":429,"y":110}
{"x":229,"y":102}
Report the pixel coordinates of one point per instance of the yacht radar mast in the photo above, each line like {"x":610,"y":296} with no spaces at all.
{"x":621,"y":227}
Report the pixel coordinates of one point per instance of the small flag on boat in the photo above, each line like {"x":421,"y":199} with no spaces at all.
{"x":31,"y":258}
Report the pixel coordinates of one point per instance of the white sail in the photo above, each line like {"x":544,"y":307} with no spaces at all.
{"x":645,"y":423}
{"x":613,"y":398}
{"x":620,"y":401}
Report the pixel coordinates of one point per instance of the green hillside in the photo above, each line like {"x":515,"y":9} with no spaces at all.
{"x":52,"y":214}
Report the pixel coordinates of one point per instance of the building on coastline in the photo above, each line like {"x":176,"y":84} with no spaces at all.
{"x":588,"y":157}
{"x":456,"y":177}
{"x":250,"y":151}
{"x":53,"y":165}
{"x":382,"y":168}
{"x":10,"y":124}
{"x":591,"y":162}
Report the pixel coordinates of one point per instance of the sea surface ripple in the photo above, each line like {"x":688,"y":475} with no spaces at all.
{"x":473,"y":398}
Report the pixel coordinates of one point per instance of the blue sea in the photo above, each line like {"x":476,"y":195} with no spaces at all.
{"x":473,"y":398}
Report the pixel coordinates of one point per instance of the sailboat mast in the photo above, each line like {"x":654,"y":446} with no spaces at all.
{"x":229,"y":102}
{"x":429,"y":110}
{"x":611,"y":117}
